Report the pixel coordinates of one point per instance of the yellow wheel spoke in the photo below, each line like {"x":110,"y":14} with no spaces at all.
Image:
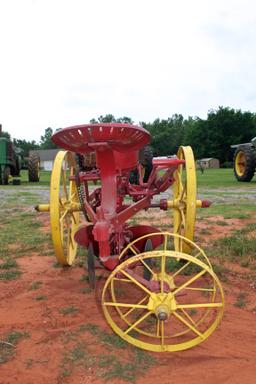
{"x":187,"y":316}
{"x":64,"y":185}
{"x":73,"y":217}
{"x":162,"y":333}
{"x":123,"y":280}
{"x":133,"y":250}
{"x":183,"y":220}
{"x":136,"y":282}
{"x":124,"y":305}
{"x":158,"y":328}
{"x":200,"y":289}
{"x":185,"y":265}
{"x":185,"y":322}
{"x":147,"y":266}
{"x":162,"y":273}
{"x":71,"y":242}
{"x":137,"y":322}
{"x":64,"y":215}
{"x":190,"y":281}
{"x":202,"y":305}
{"x":132,"y":309}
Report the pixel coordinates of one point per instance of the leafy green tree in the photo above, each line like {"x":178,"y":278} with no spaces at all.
{"x":222,"y":128}
{"x":109,"y":118}
{"x":167,"y":135}
{"x":5,"y":134}
{"x":26,"y":146}
{"x":46,"y":142}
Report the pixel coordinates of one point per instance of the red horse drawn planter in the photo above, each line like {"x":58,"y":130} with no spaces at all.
{"x":161,"y":293}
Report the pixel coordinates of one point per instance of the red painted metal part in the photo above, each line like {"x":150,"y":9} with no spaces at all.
{"x":116,"y":147}
{"x":120,"y":137}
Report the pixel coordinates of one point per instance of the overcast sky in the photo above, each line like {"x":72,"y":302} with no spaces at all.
{"x":63,"y":62}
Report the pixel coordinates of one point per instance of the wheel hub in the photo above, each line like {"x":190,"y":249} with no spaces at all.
{"x":162,"y":304}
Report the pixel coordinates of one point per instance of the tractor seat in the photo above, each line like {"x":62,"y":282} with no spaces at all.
{"x":120,"y":137}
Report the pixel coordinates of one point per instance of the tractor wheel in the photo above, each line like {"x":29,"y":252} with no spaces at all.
{"x":244,"y":163}
{"x":184,"y":199}
{"x":145,"y":159}
{"x":179,"y":307}
{"x":33,"y":168}
{"x":6,"y":175}
{"x":64,"y":208}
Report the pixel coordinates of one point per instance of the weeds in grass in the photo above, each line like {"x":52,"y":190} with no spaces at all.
{"x":86,"y":290}
{"x":78,"y":356}
{"x":104,"y":337}
{"x":35,"y":285}
{"x":41,"y":297}
{"x":205,"y":231}
{"x":56,"y":264}
{"x":68,"y":310}
{"x":222,"y":223}
{"x":8,"y":344}
{"x":221,"y":271}
{"x":110,"y":365}
{"x":8,"y":264}
{"x":86,"y":278}
{"x":241,"y":300}
{"x":119,"y":370}
{"x":245,"y":263}
{"x":10,"y":275}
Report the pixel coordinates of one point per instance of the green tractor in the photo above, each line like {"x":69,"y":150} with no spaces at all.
{"x":12,"y":161}
{"x":245,"y":160}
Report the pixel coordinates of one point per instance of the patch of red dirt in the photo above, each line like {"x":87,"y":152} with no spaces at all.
{"x":227,"y":357}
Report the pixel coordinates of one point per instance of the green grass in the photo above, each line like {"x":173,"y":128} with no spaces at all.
{"x":45,"y":177}
{"x":70,"y":310}
{"x":118,"y":360}
{"x":241,"y":300}
{"x":222,"y":177}
{"x":234,"y":248}
{"x":20,"y":233}
{"x":35,"y":285}
{"x":10,"y":275}
{"x":8,"y":263}
{"x":86,"y":291}
{"x":8,"y":344}
{"x":41,"y":297}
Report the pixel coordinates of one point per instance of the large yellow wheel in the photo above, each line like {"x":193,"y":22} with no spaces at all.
{"x":178,"y":308}
{"x":64,"y":208}
{"x":184,"y":199}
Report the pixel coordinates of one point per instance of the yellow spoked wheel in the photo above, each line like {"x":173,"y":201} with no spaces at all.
{"x":177,"y":308}
{"x":64,"y":208}
{"x":184,"y":199}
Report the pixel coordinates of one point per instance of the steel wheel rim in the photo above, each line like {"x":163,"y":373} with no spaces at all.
{"x":64,"y":221}
{"x":163,"y":346}
{"x":184,"y":196}
{"x":199,"y":252}
{"x":240,"y":163}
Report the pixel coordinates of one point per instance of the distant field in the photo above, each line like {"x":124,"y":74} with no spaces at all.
{"x":51,"y":321}
{"x":223,"y":177}
{"x":212,"y":178}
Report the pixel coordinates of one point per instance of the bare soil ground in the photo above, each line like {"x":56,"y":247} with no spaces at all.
{"x":64,"y":338}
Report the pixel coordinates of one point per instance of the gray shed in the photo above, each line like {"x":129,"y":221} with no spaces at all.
{"x":47,"y":157}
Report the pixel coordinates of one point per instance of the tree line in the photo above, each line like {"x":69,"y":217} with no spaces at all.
{"x":210,"y":137}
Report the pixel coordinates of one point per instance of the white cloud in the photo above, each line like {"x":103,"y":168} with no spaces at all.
{"x":64,"y":62}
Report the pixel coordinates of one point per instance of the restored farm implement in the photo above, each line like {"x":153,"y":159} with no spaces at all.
{"x":161,"y":293}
